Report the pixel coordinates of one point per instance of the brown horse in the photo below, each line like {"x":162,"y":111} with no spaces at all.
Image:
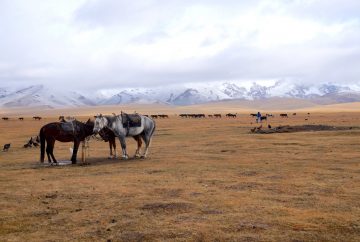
{"x":73,"y":131}
{"x":108,"y":136}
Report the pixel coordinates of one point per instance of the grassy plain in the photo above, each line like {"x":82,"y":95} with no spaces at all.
{"x":205,"y":180}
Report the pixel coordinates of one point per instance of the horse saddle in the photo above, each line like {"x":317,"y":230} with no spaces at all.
{"x":131,"y":120}
{"x":69,"y":126}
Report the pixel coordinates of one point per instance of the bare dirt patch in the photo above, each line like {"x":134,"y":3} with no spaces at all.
{"x":300,"y":128}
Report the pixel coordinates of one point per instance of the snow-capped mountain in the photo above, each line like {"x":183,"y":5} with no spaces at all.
{"x":38,"y":95}
{"x":183,"y":94}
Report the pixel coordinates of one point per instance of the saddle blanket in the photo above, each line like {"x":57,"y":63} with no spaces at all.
{"x":131,"y":120}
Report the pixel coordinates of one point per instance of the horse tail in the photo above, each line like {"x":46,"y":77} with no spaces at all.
{"x":153,"y":130}
{"x":42,"y":145}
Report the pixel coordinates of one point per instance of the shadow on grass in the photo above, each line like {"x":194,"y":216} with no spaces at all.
{"x":89,"y":162}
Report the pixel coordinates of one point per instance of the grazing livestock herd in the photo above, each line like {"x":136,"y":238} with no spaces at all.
{"x":140,"y":127}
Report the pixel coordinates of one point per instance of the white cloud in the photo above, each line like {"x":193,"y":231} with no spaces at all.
{"x":116,"y":43}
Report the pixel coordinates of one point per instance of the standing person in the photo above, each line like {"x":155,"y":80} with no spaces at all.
{"x":258,"y":117}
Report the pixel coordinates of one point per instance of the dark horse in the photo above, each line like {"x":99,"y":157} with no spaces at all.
{"x":73,"y":131}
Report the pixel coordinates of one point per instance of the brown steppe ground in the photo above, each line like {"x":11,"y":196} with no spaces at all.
{"x":204,"y":180}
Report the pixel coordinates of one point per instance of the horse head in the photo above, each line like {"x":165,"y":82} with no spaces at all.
{"x":100,"y":123}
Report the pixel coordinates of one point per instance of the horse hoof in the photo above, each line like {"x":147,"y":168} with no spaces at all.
{"x":125,"y":157}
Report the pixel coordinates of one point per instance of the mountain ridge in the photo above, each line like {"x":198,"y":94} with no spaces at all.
{"x":181,"y":95}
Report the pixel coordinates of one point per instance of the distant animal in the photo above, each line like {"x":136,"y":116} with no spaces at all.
{"x":217,"y":115}
{"x":256,"y":128}
{"x":210,"y":115}
{"x":283,"y":115}
{"x":253,"y":114}
{"x":294,"y":114}
{"x":231,"y":115}
{"x":6,"y":147}
{"x":306,"y":119}
{"x":308,"y":113}
{"x":263,"y":118}
{"x":74,"y":131}
{"x":21,"y":118}
{"x":163,"y":116}
{"x":32,"y":142}
{"x":37,"y":118}
{"x":125,"y":125}
{"x":5,"y":118}
{"x":269,"y":115}
{"x":154,"y":116}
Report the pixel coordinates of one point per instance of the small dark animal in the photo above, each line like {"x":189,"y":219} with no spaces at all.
{"x":21,"y":118}
{"x":5,"y":118}
{"x":210,"y":115}
{"x":231,"y":115}
{"x":253,"y":114}
{"x":217,"y":115}
{"x":294,"y":114}
{"x":263,"y":118}
{"x":30,"y":143}
{"x":37,"y":118}
{"x":284,"y":115}
{"x":6,"y":147}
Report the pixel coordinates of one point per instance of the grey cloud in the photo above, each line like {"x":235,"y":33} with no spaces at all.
{"x":37,"y":47}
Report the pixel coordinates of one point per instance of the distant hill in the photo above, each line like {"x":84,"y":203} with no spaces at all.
{"x":280,"y":94}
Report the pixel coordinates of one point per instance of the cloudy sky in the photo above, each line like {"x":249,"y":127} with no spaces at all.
{"x":116,"y":43}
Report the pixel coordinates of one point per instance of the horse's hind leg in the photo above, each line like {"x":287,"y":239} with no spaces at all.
{"x":147,"y":140}
{"x":50,"y":150}
{"x":48,"y":153}
{"x":75,"y":150}
{"x":139,"y":143}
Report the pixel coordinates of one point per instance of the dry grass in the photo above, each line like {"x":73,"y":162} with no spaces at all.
{"x":204,"y":180}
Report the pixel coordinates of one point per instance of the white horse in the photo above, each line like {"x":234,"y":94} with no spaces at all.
{"x":115,"y":124}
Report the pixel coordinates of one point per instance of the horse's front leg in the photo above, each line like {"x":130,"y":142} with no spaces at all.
{"x":75,"y":150}
{"x":123,"y":147}
{"x":114,"y":147}
{"x":110,"y":148}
